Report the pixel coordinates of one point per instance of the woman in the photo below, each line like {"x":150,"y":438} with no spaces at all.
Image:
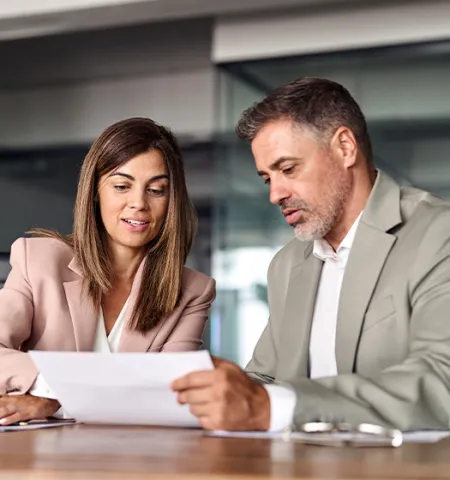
{"x":118,"y":283}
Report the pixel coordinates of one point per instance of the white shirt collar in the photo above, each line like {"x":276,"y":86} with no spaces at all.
{"x":323,"y":250}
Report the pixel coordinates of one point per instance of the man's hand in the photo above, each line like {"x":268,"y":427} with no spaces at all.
{"x":225,"y":398}
{"x":17,"y":408}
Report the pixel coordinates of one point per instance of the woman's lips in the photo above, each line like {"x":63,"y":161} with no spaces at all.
{"x":136,"y":227}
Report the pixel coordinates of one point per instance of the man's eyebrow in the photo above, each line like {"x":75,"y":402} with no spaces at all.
{"x":276,"y":164}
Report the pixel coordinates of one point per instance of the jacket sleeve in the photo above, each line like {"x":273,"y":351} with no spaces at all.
{"x":262,"y":366}
{"x":187,"y":335}
{"x":17,"y":370}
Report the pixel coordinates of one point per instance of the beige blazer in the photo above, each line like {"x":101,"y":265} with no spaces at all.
{"x":41,"y":308}
{"x":393,"y":329}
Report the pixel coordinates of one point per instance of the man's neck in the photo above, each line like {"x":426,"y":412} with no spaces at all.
{"x":351,"y":212}
{"x":337,"y":235}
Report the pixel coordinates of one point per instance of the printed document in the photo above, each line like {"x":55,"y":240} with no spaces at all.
{"x":121,"y":388}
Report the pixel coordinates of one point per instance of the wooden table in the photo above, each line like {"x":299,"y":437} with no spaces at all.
{"x":101,"y":452}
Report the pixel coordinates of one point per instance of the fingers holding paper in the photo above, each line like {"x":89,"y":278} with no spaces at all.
{"x":17,"y":408}
{"x":225,"y":398}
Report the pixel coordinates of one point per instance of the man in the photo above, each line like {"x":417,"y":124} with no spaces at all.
{"x":359,"y":327}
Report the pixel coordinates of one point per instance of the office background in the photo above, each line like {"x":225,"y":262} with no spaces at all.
{"x":71,"y":68}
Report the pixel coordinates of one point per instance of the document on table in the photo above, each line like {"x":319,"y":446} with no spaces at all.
{"x":419,"y":436}
{"x":36,"y":425}
{"x":121,"y":388}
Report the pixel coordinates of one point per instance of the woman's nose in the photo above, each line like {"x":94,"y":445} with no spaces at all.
{"x":137,"y":200}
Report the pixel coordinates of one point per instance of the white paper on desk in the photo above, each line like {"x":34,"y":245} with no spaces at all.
{"x":425,"y":436}
{"x":36,"y":425}
{"x":121,"y":388}
{"x":417,"y":436}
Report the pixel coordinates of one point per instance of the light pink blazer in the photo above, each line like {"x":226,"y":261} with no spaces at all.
{"x":41,"y":309}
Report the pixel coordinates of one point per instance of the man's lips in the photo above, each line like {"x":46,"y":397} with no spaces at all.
{"x":292,"y":215}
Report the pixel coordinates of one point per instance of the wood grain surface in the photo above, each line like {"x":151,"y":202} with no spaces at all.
{"x":111,"y":452}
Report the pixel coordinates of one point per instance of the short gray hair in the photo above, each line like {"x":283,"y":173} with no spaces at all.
{"x":316,"y":103}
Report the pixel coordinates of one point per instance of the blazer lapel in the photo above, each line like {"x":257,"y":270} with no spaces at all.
{"x":368,"y":254}
{"x":131,"y":340}
{"x":82,"y":311}
{"x":367,"y":257}
{"x":296,"y":326}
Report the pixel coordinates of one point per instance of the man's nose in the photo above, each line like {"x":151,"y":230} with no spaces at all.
{"x":278,"y":193}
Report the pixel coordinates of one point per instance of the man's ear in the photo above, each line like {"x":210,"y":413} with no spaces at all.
{"x":344,"y":146}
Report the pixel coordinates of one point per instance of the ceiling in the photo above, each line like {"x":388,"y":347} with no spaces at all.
{"x":28,"y":18}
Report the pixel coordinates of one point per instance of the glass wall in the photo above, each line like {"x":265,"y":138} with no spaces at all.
{"x":247,"y":233}
{"x":404,"y":93}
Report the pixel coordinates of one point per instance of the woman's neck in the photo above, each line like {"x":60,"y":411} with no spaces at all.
{"x":125,"y":263}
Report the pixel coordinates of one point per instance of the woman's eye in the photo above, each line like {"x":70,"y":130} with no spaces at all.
{"x":156,"y":192}
{"x":121,"y":188}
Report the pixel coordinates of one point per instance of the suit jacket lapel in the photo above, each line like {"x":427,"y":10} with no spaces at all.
{"x":131,"y":340}
{"x":368,"y":254}
{"x":296,"y":327}
{"x":82,"y":311}
{"x":367,"y":257}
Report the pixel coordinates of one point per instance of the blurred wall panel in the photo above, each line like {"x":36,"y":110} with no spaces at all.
{"x":23,"y":206}
{"x":30,"y":18}
{"x":78,"y":113}
{"x":118,"y":52}
{"x":66,"y":90}
{"x":333,"y":28}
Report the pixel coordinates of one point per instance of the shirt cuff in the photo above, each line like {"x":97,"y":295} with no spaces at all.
{"x":282,"y":406}
{"x":40,"y":388}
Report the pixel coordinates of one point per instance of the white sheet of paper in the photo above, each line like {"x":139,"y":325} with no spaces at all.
{"x":425,"y":436}
{"x":121,"y":388}
{"x":36,"y":425}
{"x":419,"y":436}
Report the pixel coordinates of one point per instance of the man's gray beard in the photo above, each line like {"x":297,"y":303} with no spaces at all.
{"x":340,"y":191}
{"x":322,"y":227}
{"x":317,"y":234}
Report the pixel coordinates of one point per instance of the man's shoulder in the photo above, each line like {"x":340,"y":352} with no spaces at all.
{"x":425,"y":228}
{"x":421,"y":206}
{"x":417,"y":196}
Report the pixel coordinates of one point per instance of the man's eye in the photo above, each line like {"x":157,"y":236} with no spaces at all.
{"x":288,"y":170}
{"x":267,"y":181}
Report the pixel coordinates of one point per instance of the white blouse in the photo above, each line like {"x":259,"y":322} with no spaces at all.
{"x":102,"y":344}
{"x":109,"y":343}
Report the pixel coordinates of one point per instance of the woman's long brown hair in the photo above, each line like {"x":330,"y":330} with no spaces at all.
{"x":166,"y":254}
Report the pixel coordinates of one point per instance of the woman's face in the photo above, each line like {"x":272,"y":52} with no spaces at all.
{"x":133,"y":201}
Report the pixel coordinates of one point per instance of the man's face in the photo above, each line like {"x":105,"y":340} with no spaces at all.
{"x":307,"y":180}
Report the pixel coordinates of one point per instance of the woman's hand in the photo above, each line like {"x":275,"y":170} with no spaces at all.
{"x":18,"y":408}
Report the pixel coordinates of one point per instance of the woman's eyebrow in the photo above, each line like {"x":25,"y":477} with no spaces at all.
{"x":130,"y":177}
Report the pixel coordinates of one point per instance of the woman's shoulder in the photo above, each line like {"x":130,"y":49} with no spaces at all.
{"x":41,"y":252}
{"x":196,"y":281}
